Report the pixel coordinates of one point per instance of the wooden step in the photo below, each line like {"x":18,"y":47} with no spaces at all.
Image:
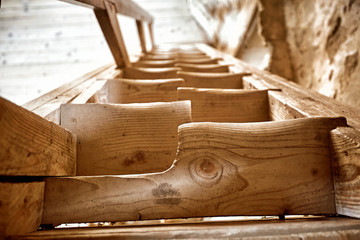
{"x":139,"y":91}
{"x":226,"y":105}
{"x":125,"y":138}
{"x":212,"y":80}
{"x":150,"y":73}
{"x":171,"y":63}
{"x":207,"y":68}
{"x":221,"y":169}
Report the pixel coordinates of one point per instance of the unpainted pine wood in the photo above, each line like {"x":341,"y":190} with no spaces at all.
{"x":212,"y":80}
{"x":156,"y":58}
{"x":154,"y":64}
{"x":140,"y":91}
{"x":313,"y":228}
{"x":268,"y":168}
{"x":141,"y":33}
{"x":199,"y":61}
{"x":150,"y":73}
{"x":209,"y":68}
{"x":346,"y":168}
{"x":125,"y":138}
{"x":33,"y":146}
{"x":125,"y":7}
{"x":151,"y":33}
{"x":103,"y":19}
{"x":111,"y":12}
{"x":226,"y":105}
{"x":88,"y":95}
{"x":253,"y":82}
{"x":21,"y":207}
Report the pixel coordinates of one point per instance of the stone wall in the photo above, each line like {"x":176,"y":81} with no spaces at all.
{"x":313,"y":42}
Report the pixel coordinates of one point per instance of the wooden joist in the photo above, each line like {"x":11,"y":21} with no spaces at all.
{"x":270,"y":168}
{"x":150,"y":73}
{"x":125,"y":138}
{"x":33,"y":146}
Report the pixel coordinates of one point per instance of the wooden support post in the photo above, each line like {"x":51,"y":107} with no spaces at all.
{"x":140,"y":91}
{"x":111,"y":11}
{"x":125,"y":138}
{"x":33,"y":146}
{"x":219,"y":105}
{"x":269,"y":168}
{"x":141,"y":33}
{"x":151,"y":32}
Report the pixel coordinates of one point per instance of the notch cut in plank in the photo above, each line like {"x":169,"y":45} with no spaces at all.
{"x":113,"y":21}
{"x":21,"y":207}
{"x":125,"y":138}
{"x":212,"y":80}
{"x":216,"y":173}
{"x":140,"y":91}
{"x":33,"y":146}
{"x":150,"y":73}
{"x":346,"y":169}
{"x":103,"y":19}
{"x":226,"y":105}
{"x":141,"y":33}
{"x":209,"y":68}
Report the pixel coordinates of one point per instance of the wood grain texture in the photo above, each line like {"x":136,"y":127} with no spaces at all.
{"x":140,"y":91}
{"x":141,"y":33}
{"x":87,"y":95}
{"x":328,"y":228}
{"x":113,"y":21}
{"x":210,"y":68}
{"x":21,"y":207}
{"x":346,"y":169}
{"x":212,"y":80}
{"x":33,"y":146}
{"x":253,"y":82}
{"x":125,"y":138}
{"x":219,"y":105}
{"x":103,"y":19}
{"x":150,"y":73}
{"x":154,"y":64}
{"x":269,"y":168}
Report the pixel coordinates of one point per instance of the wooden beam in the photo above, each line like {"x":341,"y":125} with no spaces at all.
{"x":21,"y":207}
{"x":151,"y":32}
{"x":219,"y":105}
{"x":125,"y":138}
{"x":140,"y":91}
{"x":124,"y":7}
{"x":33,"y":146}
{"x":141,"y":33}
{"x":212,"y":80}
{"x":210,"y":68}
{"x":113,"y":21}
{"x":151,"y":73}
{"x":154,"y":64}
{"x":110,"y":35}
{"x":269,"y":168}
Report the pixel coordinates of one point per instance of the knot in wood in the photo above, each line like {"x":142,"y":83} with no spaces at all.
{"x":205,"y":171}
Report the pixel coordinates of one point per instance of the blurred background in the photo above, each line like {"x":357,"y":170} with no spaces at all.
{"x":315,"y":43}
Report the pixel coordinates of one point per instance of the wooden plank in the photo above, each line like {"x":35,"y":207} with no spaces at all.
{"x":212,"y":80}
{"x":21,"y":207}
{"x":154,"y":64}
{"x":219,"y":105}
{"x":332,"y":228}
{"x":33,"y":146}
{"x":36,"y":103}
{"x":269,"y":168}
{"x":111,"y":12}
{"x":104,"y":21}
{"x":253,"y":82}
{"x":125,"y":138}
{"x":124,"y":7}
{"x":151,"y":73}
{"x":346,"y":169}
{"x":87,"y":94}
{"x":199,"y":61}
{"x":140,"y":91}
{"x":141,"y":33}
{"x":151,"y":33}
{"x":210,"y":68}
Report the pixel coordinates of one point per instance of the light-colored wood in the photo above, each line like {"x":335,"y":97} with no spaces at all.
{"x":111,"y":11}
{"x":212,"y":80}
{"x":125,"y":138}
{"x":150,"y":73}
{"x":141,"y":33}
{"x":269,"y":168}
{"x":33,"y":146}
{"x":210,"y":68}
{"x":219,"y":105}
{"x":124,"y":7}
{"x":253,"y":82}
{"x":333,"y":228}
{"x":151,"y":33}
{"x":199,"y":61}
{"x":140,"y":91}
{"x":154,"y":64}
{"x":156,"y":58}
{"x":103,"y":19}
{"x":21,"y":206}
{"x":346,"y":170}
{"x":88,"y":94}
